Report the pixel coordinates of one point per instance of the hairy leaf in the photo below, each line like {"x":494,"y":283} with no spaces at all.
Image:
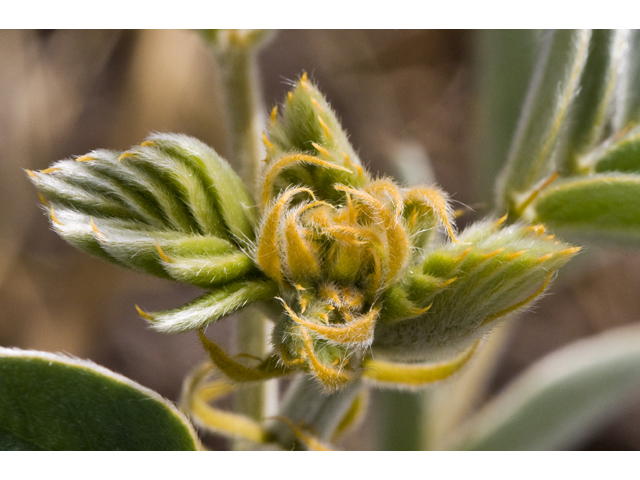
{"x":53,"y":402}
{"x":604,"y":207}
{"x":563,"y":397}
{"x":211,"y":306}
{"x":170,"y":207}
{"x":595,"y":101}
{"x":460,"y":290}
{"x":542,"y":126}
{"x":621,"y":155}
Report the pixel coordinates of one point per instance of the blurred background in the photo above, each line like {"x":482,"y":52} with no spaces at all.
{"x":414,"y":95}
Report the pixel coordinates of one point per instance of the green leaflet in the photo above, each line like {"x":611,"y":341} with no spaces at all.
{"x":308,"y":125}
{"x":170,"y":207}
{"x":466,"y":287}
{"x":53,"y":402}
{"x":230,"y":196}
{"x":604,"y":207}
{"x":541,"y":128}
{"x":211,"y":306}
{"x":622,"y":155}
{"x":561,"y":398}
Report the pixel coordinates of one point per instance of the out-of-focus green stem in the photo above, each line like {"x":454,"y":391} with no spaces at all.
{"x":236,"y":55}
{"x":306,"y":405}
{"x":236,"y":52}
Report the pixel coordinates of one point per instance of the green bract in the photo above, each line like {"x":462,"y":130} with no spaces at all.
{"x":357,"y":263}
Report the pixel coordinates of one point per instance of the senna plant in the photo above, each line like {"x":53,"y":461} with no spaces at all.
{"x":365,"y":281}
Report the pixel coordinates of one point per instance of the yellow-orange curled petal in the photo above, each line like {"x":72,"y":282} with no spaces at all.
{"x":268,"y":145}
{"x":498,"y":223}
{"x":462,"y":255}
{"x":537,"y":229}
{"x":291,"y":362}
{"x":289,"y":160}
{"x":126,"y":155}
{"x":413,"y":375}
{"x":163,"y":255}
{"x":86,"y":158}
{"x":301,"y":260}
{"x":437,"y":203}
{"x":324,"y":126}
{"x":544,"y":258}
{"x":331,"y":378}
{"x":54,"y":219}
{"x":145,"y":315}
{"x":514,"y":255}
{"x":267,"y":252}
{"x":95,"y":229}
{"x":317,"y":106}
{"x":321,"y":149}
{"x":357,"y":332}
{"x":518,"y":305}
{"x":494,"y":253}
{"x":274,"y":114}
{"x":49,"y":170}
{"x":391,"y":190}
{"x":446,"y":283}
{"x":309,"y":441}
{"x":232,"y":369}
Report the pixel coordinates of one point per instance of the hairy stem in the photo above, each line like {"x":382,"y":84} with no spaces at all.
{"x":307,"y":407}
{"x":245,"y":112}
{"x":236,"y":55}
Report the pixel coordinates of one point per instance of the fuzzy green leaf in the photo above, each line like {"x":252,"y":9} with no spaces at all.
{"x":604,"y":207}
{"x":53,"y":402}
{"x":595,"y":101}
{"x":563,"y":397}
{"x":170,"y":207}
{"x":542,"y":127}
{"x":308,"y":125}
{"x":622,"y":155}
{"x":211,"y":306}
{"x":466,"y":288}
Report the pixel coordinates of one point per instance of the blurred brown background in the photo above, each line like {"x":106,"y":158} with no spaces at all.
{"x":399,"y":93}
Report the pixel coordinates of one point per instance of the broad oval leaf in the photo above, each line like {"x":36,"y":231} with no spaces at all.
{"x":563,"y":397}
{"x":603,"y":208}
{"x":53,"y":402}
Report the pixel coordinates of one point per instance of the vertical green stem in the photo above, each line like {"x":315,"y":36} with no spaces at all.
{"x":306,"y":405}
{"x":236,"y":53}
{"x":238,"y":66}
{"x":403,"y":423}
